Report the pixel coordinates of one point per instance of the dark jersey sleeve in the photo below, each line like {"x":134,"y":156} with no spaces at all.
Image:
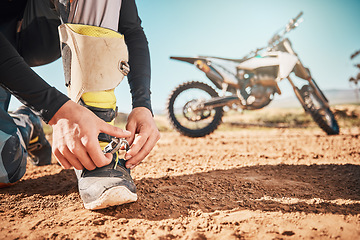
{"x":139,"y":57}
{"x":19,"y":79}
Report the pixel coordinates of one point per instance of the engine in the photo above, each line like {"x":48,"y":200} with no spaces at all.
{"x":259,"y":96}
{"x":258,"y":89}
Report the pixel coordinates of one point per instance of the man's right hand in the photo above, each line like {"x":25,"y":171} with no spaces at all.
{"x":75,"y":137}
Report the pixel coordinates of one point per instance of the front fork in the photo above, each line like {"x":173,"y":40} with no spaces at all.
{"x":297,"y":92}
{"x":316,"y":90}
{"x":303,"y":73}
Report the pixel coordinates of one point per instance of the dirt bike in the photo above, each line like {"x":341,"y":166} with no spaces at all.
{"x":195,"y":109}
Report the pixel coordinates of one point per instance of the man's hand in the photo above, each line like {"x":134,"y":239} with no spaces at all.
{"x":140,"y":122}
{"x":75,"y":137}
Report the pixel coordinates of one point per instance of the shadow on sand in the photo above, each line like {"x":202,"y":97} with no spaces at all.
{"x":242,"y":188}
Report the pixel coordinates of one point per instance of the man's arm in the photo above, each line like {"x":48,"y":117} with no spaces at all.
{"x":139,"y":57}
{"x":17,"y":77}
{"x":140,"y":120}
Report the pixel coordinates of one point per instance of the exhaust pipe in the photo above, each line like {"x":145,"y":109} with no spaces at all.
{"x":221,"y":101}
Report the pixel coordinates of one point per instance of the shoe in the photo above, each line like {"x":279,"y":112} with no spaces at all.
{"x":106,"y":186}
{"x":112,"y":184}
{"x":30,"y":125}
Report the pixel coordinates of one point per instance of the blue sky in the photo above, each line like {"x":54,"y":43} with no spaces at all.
{"x":324,"y":41}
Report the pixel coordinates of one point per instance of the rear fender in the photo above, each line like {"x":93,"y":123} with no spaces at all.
{"x":190,"y":60}
{"x":205,"y":66}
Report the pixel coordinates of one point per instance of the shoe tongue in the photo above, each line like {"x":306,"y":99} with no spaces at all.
{"x":121,"y":164}
{"x":112,"y":168}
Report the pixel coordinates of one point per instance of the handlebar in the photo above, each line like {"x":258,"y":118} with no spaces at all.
{"x":297,"y":17}
{"x":293,"y":23}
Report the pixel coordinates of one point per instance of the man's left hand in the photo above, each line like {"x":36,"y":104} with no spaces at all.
{"x":144,"y":135}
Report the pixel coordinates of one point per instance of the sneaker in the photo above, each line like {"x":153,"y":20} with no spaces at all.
{"x":30,"y":125}
{"x":106,"y":186}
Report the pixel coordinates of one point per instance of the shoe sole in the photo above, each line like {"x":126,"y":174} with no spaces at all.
{"x":112,"y":197}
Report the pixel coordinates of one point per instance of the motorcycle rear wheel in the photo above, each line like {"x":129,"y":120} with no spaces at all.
{"x":322,"y":115}
{"x":185,"y":114}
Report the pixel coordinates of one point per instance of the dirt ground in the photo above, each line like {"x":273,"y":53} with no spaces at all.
{"x":246,"y":184}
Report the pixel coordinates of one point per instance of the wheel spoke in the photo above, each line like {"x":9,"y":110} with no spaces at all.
{"x":186,"y":111}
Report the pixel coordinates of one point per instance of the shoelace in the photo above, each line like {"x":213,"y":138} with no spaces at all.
{"x":114,"y":146}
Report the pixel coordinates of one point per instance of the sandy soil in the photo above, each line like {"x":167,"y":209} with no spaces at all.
{"x":248,"y":184}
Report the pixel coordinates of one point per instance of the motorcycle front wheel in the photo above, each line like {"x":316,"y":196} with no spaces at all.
{"x":322,"y":115}
{"x":187,"y":113}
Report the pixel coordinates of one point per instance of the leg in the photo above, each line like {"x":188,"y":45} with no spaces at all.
{"x":21,"y":135}
{"x":21,"y":132}
{"x":91,"y":77}
{"x":37,"y":35}
{"x":12,"y":148}
{"x":31,"y":129}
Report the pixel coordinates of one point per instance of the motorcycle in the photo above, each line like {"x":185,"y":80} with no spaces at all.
{"x":195,"y":109}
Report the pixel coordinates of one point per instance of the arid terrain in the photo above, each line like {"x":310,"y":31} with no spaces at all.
{"x":252,"y":183}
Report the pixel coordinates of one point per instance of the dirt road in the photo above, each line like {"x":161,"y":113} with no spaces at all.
{"x":248,"y":184}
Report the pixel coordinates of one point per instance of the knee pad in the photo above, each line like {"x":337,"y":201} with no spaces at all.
{"x":94,"y":58}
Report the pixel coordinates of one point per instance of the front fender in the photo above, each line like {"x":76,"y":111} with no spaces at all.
{"x":287,"y":63}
